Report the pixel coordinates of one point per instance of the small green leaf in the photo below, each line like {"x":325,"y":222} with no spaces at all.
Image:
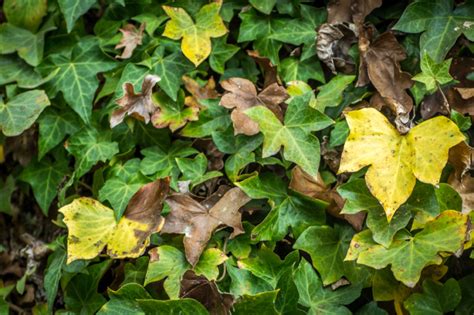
{"x":433,"y":74}
{"x":261,"y":303}
{"x":221,"y":53}
{"x":53,"y":274}
{"x":331,"y":93}
{"x":293,"y":69}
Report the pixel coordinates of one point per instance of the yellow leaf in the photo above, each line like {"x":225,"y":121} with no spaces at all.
{"x":92,"y":225}
{"x":196,"y":43}
{"x":395,"y":160}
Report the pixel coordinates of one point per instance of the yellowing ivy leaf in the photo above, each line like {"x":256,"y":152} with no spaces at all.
{"x":92,"y":225}
{"x":395,"y":160}
{"x":196,"y":44}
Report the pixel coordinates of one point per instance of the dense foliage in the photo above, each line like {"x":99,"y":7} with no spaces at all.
{"x":236,"y":157}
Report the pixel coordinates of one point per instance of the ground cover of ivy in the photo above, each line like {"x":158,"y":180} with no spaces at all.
{"x":236,"y":157}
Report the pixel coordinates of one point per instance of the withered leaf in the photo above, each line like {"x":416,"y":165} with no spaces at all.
{"x":131,"y":38}
{"x":461,"y":157}
{"x":139,"y":105}
{"x":197,"y":221}
{"x":242,"y":94}
{"x":382,"y":66}
{"x":343,"y":27}
{"x":206,"y":292}
{"x":314,"y":187}
{"x":461,"y":95}
{"x":199,"y":92}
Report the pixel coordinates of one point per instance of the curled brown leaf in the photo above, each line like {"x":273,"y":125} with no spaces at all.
{"x":140,"y":105}
{"x":197,"y":221}
{"x":199,"y":92}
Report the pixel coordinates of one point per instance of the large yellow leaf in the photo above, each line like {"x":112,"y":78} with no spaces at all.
{"x":196,"y":44}
{"x":396,"y":160}
{"x":92,"y":225}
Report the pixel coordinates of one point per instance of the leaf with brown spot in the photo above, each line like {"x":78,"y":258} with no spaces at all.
{"x":139,"y":105}
{"x":92,"y":226}
{"x":314,"y":187}
{"x":197,"y":221}
{"x":131,"y":38}
{"x":242,"y":95}
{"x":381,"y":64}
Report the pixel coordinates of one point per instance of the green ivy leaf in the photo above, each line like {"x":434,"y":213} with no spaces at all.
{"x":53,"y":274}
{"x":54,"y":125}
{"x":73,"y":10}
{"x":135,"y":273}
{"x":466,"y":306}
{"x":292,"y":69}
{"x":409,"y":254}
{"x":124,"y":300}
{"x":221,"y":53}
{"x":90,"y":146}
{"x":318,"y":299}
{"x":441,"y":26}
{"x":289,"y":209}
{"x":44,"y":177}
{"x":29,"y":46}
{"x":433,"y":74}
{"x":21,"y":111}
{"x":301,"y":146}
{"x":195,"y":169}
{"x":211,"y":119}
{"x":173,"y":114}
{"x":436,"y":298}
{"x":77,"y":78}
{"x":81,"y":294}
{"x":358,"y":198}
{"x":13,"y":69}
{"x":331,"y":94}
{"x":327,"y":247}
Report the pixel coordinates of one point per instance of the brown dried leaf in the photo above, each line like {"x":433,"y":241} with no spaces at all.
{"x":198,"y":93}
{"x":206,"y":292}
{"x":270,"y":73}
{"x":139,"y":105}
{"x":131,"y":38}
{"x":242,"y":94}
{"x":352,"y":11}
{"x":434,"y":104}
{"x":461,"y":157}
{"x":314,"y":187}
{"x":197,"y":221}
{"x":461,"y":95}
{"x":382,"y":66}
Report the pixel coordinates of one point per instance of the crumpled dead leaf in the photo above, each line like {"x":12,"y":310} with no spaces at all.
{"x":345,"y":21}
{"x":270,"y":72}
{"x":381,"y":65}
{"x":131,"y":38}
{"x":199,"y":92}
{"x":197,"y":221}
{"x":434,"y":104}
{"x":139,"y":105}
{"x":461,"y":157}
{"x":242,"y":94}
{"x":206,"y":292}
{"x":314,"y":187}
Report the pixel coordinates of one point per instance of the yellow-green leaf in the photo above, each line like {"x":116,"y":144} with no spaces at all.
{"x":395,"y":160}
{"x":196,"y":43}
{"x":92,"y":225}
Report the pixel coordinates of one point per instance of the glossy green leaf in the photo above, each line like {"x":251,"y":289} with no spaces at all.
{"x":77,"y":78}
{"x":440,"y":24}
{"x":300,"y":145}
{"x":25,"y":13}
{"x":331,"y":93}
{"x":261,"y":303}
